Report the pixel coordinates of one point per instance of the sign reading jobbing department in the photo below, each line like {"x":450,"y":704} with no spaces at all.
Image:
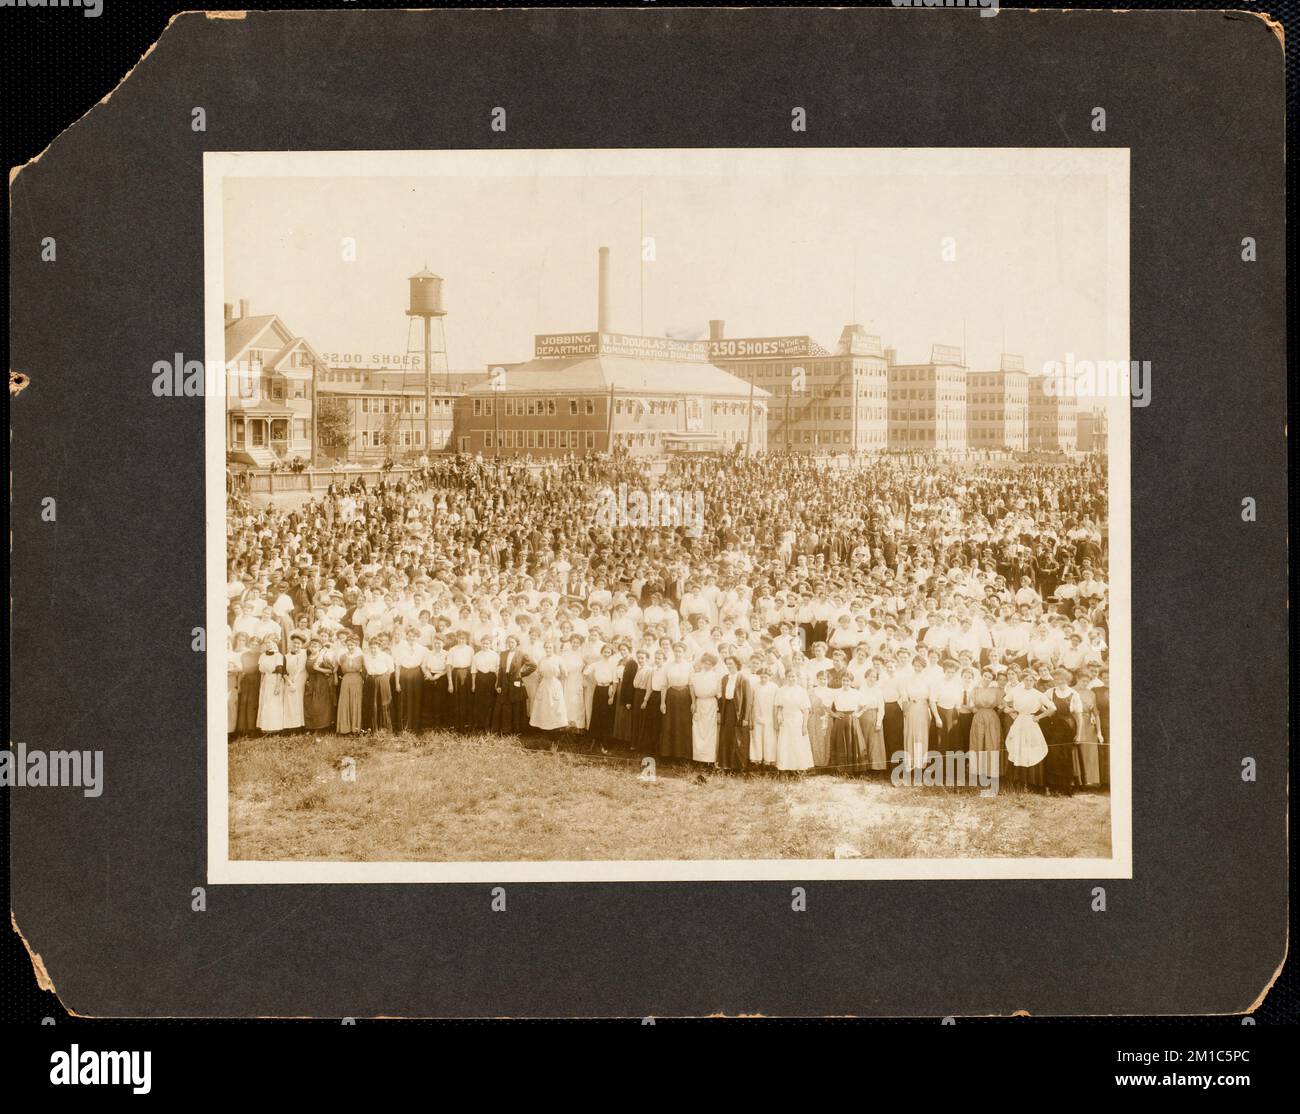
{"x":559,"y":345}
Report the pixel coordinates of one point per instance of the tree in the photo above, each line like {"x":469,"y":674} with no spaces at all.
{"x":334,"y":424}
{"x":392,"y":432}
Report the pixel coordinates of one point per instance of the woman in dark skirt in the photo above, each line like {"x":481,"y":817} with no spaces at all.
{"x":1024,"y":705}
{"x":892,"y":726}
{"x":733,"y":725}
{"x":1101,"y":693}
{"x":846,"y":743}
{"x":250,"y":686}
{"x":378,"y":710}
{"x":459,"y":658}
{"x":1061,"y":730}
{"x":318,"y":703}
{"x":640,"y":691}
{"x":435,"y":702}
{"x":966,"y":713}
{"x":652,"y":707}
{"x":483,"y":685}
{"x":407,"y":657}
{"x":604,"y":674}
{"x":677,"y":739}
{"x":624,"y":698}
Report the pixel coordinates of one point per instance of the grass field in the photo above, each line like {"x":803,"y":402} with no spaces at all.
{"x":447,"y":797}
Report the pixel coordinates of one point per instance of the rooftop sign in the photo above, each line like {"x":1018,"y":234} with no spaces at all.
{"x":740,"y":348}
{"x":549,"y":346}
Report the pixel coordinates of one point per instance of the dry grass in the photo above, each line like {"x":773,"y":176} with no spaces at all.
{"x":446,"y":797}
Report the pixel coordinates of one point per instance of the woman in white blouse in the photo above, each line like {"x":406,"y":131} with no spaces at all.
{"x":916,"y":698}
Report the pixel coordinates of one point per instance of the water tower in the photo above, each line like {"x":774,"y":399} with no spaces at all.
{"x":426,"y":303}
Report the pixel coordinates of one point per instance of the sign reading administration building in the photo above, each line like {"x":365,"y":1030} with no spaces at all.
{"x":560,"y":345}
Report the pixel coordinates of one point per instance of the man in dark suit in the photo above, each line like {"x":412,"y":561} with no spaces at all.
{"x":510,"y":713}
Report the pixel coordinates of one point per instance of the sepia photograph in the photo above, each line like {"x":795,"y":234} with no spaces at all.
{"x":677,"y":514}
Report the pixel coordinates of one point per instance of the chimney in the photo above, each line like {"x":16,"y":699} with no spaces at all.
{"x":602,"y":293}
{"x":243,"y":308}
{"x":891,"y":356}
{"x":230,"y":312}
{"x":715,"y":329}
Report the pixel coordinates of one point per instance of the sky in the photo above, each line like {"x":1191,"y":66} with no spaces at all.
{"x":800,"y":245}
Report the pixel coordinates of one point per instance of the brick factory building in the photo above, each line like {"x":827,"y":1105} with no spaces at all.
{"x":821,"y":401}
{"x":602,"y":392}
{"x":386,"y":410}
{"x":997,"y":407}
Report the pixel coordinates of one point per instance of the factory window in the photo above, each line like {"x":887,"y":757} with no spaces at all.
{"x":550,"y":438}
{"x":573,"y":407}
{"x":550,"y":407}
{"x":417,"y":408}
{"x":478,"y":407}
{"x":590,"y":408}
{"x":487,"y":438}
{"x":365,"y":439}
{"x":591,"y":437}
{"x":487,"y":407}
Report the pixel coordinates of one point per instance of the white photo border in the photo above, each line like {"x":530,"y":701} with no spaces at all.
{"x":1112,"y":163}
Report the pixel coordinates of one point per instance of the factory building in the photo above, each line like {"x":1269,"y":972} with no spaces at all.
{"x":927,"y":403}
{"x":603,"y":392}
{"x":997,"y":407}
{"x":821,"y":401}
{"x":606,"y":391}
{"x":385,"y":411}
{"x":1053,"y":417}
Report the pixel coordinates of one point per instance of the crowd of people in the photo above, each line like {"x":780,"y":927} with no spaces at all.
{"x":815,"y":618}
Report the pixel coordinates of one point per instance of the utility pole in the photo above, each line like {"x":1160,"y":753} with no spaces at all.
{"x":609,"y":429}
{"x":314,"y":367}
{"x":428,"y":382}
{"x":749,"y":428}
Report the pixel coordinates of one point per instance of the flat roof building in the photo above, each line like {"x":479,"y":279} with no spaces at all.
{"x":384,"y":410}
{"x":821,"y":401}
{"x":1052,"y":416}
{"x":927,"y":403}
{"x":997,"y":407}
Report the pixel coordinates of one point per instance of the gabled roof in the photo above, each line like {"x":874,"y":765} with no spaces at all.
{"x":243,"y":331}
{"x":625,"y":374}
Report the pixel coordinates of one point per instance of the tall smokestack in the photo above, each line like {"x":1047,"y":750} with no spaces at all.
{"x":715,"y":329}
{"x":602,"y":293}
